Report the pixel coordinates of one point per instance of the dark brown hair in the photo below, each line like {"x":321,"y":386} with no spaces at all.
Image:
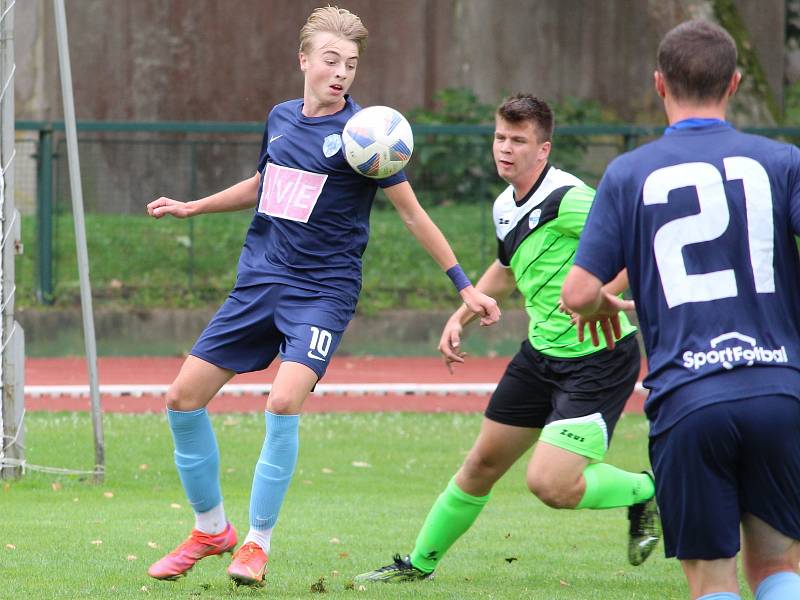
{"x":525,"y":107}
{"x":697,"y":59}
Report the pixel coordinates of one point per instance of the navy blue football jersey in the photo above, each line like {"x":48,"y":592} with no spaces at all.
{"x":705,"y":220}
{"x":311,"y":223}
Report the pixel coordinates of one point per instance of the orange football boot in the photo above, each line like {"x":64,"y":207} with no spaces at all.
{"x":198,"y":545}
{"x":249,"y":565}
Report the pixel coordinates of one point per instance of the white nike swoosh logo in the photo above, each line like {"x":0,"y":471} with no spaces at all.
{"x":314,"y":356}
{"x":275,"y":137}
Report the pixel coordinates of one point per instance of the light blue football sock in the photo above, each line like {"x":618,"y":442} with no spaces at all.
{"x":274,"y":469}
{"x":779,"y":586}
{"x":197,"y":457}
{"x":721,"y":596}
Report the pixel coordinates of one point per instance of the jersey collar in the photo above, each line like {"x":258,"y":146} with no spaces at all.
{"x":532,"y":191}
{"x":694,"y":123}
{"x":348,"y":103}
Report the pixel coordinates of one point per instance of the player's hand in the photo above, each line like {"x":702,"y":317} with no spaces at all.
{"x":450,"y":344}
{"x":167,"y":206}
{"x":482,"y":305}
{"x":573,"y":316}
{"x":606,"y":316}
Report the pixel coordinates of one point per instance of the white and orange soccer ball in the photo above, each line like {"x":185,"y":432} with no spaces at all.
{"x":377,"y":141}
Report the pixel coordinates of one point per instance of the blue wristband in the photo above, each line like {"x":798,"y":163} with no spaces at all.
{"x":458,"y":277}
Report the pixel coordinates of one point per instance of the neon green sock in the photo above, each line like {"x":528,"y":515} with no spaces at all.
{"x":449,"y":518}
{"x":610,"y":487}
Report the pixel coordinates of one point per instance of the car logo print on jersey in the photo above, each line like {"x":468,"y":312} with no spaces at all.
{"x":331,"y":145}
{"x":533,"y":218}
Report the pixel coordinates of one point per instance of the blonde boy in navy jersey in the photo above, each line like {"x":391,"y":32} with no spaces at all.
{"x":297,"y":285}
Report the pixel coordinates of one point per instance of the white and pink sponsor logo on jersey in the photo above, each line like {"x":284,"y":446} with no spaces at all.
{"x":290,"y":193}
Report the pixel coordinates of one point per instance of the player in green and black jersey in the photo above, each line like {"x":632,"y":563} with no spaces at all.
{"x":567,"y":393}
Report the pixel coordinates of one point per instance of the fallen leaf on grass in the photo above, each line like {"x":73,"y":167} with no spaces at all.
{"x":144,"y":467}
{"x":230,"y":470}
{"x":11,"y":547}
{"x":132,"y":557}
{"x":74,"y":499}
{"x":318,"y":586}
{"x":361,"y":464}
{"x":108,"y":494}
{"x":335,"y":541}
{"x":343,"y":555}
{"x":96,"y":542}
{"x":564,"y":583}
{"x":307,"y":481}
{"x":56,"y":486}
{"x":152,"y":544}
{"x":175,"y":505}
{"x":362,"y":588}
{"x":327,"y":471}
{"x":145,"y":589}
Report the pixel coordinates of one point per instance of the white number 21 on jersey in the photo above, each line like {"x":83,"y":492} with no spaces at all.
{"x":709,"y":224}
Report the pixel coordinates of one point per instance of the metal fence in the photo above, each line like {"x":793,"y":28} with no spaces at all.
{"x":126,"y":164}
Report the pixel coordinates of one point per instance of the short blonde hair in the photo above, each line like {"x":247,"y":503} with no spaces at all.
{"x":335,"y":20}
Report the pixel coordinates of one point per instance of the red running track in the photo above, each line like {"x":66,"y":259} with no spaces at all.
{"x":114,"y":370}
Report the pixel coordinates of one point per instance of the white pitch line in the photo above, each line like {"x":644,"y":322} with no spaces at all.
{"x":258,"y":389}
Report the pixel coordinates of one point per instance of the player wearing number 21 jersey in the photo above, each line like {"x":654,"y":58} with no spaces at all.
{"x":705,"y":220}
{"x":715,"y":276}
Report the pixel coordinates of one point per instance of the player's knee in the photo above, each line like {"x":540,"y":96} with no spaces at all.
{"x":179,"y":398}
{"x":280,"y":404}
{"x":550,"y":490}
{"x":480,"y":468}
{"x":757,"y":569}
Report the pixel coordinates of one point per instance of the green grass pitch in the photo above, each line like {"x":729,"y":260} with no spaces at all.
{"x":363,"y":485}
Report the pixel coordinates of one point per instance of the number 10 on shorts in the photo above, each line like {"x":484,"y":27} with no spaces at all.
{"x":320,"y":343}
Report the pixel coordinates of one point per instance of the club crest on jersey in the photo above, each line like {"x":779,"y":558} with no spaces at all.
{"x":533,"y":218}
{"x":331,"y":145}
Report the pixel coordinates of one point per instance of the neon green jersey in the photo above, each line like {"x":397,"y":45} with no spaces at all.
{"x":537,"y":238}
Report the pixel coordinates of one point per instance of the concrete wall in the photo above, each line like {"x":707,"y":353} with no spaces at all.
{"x":232,"y":59}
{"x":160,"y":332}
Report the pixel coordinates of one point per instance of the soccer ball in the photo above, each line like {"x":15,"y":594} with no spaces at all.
{"x":377,"y":141}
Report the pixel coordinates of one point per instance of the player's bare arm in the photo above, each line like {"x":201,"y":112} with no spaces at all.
{"x":595,"y":304}
{"x":431,"y":238}
{"x":239,"y":196}
{"x":497,"y":282}
{"x":617,"y":285}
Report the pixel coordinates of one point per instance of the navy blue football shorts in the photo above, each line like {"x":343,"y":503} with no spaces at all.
{"x":724,"y":460}
{"x":256,"y":323}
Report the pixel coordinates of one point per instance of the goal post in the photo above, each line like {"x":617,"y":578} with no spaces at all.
{"x":76,"y":191}
{"x":12,"y":340}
